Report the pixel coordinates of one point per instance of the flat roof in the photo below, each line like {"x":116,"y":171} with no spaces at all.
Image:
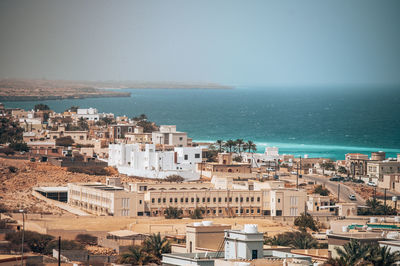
{"x":51,"y":189}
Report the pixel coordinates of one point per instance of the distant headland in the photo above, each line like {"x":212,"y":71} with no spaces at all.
{"x":41,"y":89}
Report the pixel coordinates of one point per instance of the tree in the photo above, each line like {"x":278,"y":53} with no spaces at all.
{"x":239,"y":143}
{"x":351,"y":252}
{"x":82,"y":124}
{"x":304,"y":221}
{"x":173,"y":213}
{"x":136,"y":255}
{"x":342,"y":170}
{"x":375,"y":207}
{"x":41,"y":107}
{"x":86,"y":239}
{"x":7,"y":151}
{"x":229,"y":144}
{"x":328,"y":166}
{"x":73,"y":108}
{"x":174,"y":178}
{"x":65,"y":245}
{"x":299,"y":240}
{"x":157,"y":245}
{"x":382,"y":256}
{"x":10,"y":131}
{"x":197,"y":214}
{"x":321,"y":190}
{"x":64,"y":141}
{"x":220,"y":143}
{"x":250,"y":146}
{"x":19,"y":146}
{"x":35,"y":242}
{"x":238,"y":159}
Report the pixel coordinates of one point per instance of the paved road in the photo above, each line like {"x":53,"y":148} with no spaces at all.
{"x":345,"y":191}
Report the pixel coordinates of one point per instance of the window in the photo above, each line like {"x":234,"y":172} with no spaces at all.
{"x":140,"y":201}
{"x":208,"y":199}
{"x":258,"y":199}
{"x":247,"y":199}
{"x":186,"y":200}
{"x":219,"y":199}
{"x":180,"y":138}
{"x":170,"y":200}
{"x":214,"y":199}
{"x":176,"y":200}
{"x":252,"y":199}
{"x":181,"y":200}
{"x":279,"y":200}
{"x":164,"y":200}
{"x":152,"y":200}
{"x":192,"y":200}
{"x":186,"y":157}
{"x":204,"y":200}
{"x":197,"y":155}
{"x":159,"y":200}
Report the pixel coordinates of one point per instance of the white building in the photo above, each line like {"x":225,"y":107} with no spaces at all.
{"x":268,"y":158}
{"x":131,"y":159}
{"x":91,"y":114}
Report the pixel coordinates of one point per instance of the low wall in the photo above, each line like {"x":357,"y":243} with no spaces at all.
{"x":83,"y":256}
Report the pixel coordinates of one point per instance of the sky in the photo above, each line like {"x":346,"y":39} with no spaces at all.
{"x":274,"y":43}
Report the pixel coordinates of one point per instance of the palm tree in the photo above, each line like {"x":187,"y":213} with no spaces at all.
{"x":381,"y":256}
{"x":251,"y":146}
{"x":229,"y":144}
{"x":239,"y":143}
{"x":352,"y":252}
{"x":304,"y":242}
{"x":173,"y":213}
{"x":136,"y":255}
{"x":335,"y":262}
{"x":220,"y":143}
{"x":157,"y":245}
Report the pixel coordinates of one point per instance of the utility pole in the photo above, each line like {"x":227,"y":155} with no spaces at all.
{"x":59,"y":251}
{"x":23,"y":236}
{"x":384,"y":202}
{"x":297,"y":178}
{"x":338,"y":193}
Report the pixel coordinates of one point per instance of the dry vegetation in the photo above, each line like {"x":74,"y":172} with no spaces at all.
{"x":16,"y":188}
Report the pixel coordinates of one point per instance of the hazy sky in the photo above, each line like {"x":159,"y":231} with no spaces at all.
{"x":300,"y":43}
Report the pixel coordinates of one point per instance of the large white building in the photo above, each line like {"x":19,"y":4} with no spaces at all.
{"x":132,"y":159}
{"x":91,"y":114}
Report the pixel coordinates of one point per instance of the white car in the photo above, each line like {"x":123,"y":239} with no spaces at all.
{"x":294,"y":173}
{"x":372,"y":184}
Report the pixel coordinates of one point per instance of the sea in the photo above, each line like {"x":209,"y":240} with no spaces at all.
{"x":314,"y":122}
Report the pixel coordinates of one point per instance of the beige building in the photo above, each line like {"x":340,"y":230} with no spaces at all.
{"x":391,"y":182}
{"x":153,"y":199}
{"x":224,"y":167}
{"x":202,"y":237}
{"x":377,"y":169}
{"x":356,"y":164}
{"x":170,"y":137}
{"x":316,"y":201}
{"x":79,"y":137}
{"x":109,"y":199}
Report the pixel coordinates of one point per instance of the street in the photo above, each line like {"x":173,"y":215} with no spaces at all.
{"x":345,"y":191}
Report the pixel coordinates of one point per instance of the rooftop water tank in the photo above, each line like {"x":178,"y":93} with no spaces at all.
{"x":397,"y":219}
{"x":373,"y":220}
{"x":345,"y":229}
{"x":250,"y":228}
{"x":394,"y":198}
{"x":393,"y":235}
{"x":197,"y":224}
{"x":207,"y":223}
{"x":329,"y":232}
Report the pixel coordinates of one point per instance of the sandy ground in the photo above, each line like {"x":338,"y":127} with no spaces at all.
{"x":154,"y":224}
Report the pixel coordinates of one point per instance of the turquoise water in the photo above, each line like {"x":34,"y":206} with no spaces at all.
{"x":317,"y":122}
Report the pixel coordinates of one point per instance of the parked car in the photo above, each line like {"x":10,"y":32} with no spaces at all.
{"x":336,"y":178}
{"x":293,"y":173}
{"x":352,"y":197}
{"x":372,"y":184}
{"x":358,"y":181}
